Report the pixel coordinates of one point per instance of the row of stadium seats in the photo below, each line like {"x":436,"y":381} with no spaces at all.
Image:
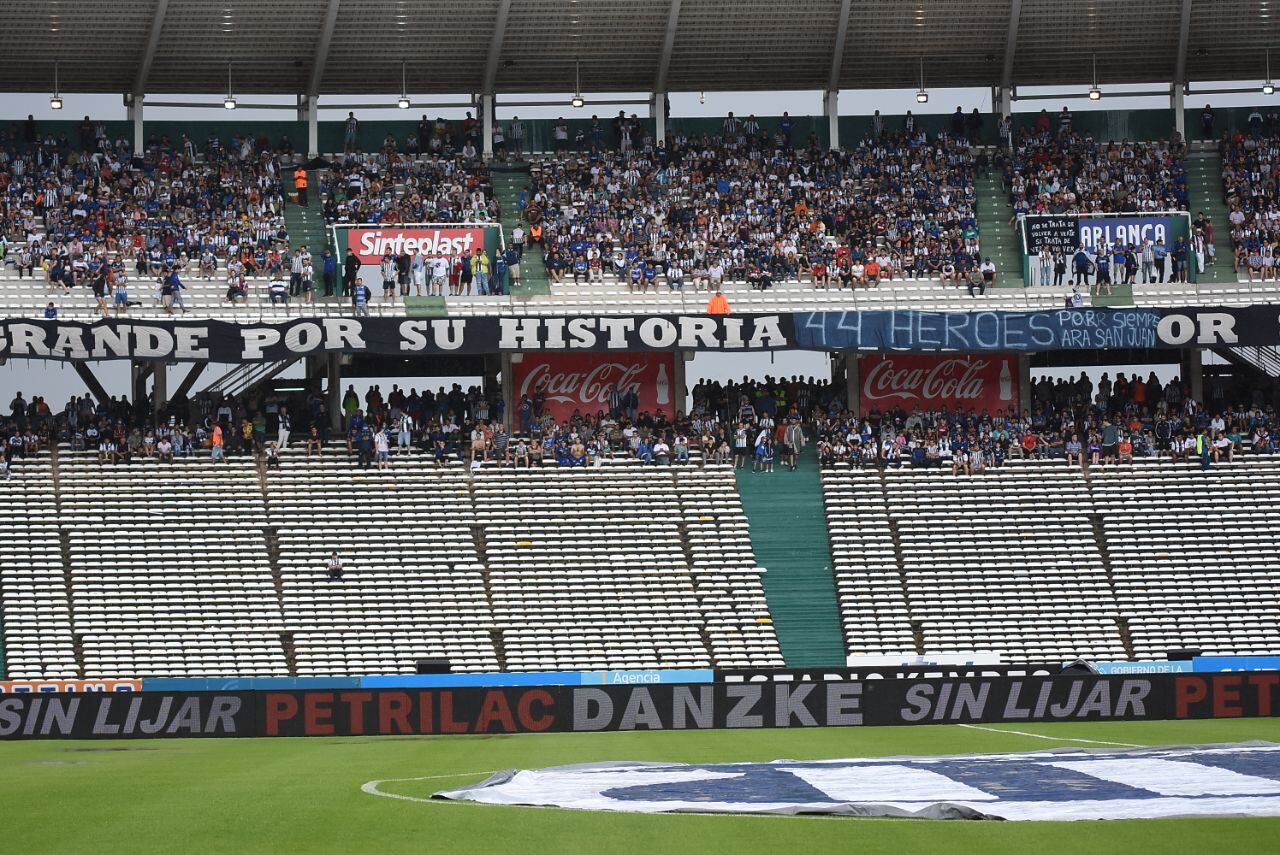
{"x":1037,"y":562}
{"x":201,"y":568}
{"x":205,"y":298}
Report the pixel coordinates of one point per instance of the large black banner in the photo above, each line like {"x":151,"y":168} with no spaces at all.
{"x":906,"y":330}
{"x":567,"y":709}
{"x":1059,"y":233}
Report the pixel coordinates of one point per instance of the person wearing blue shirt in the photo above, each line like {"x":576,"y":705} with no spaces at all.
{"x":1180,"y":260}
{"x":1159,"y":253}
{"x":1104,"y":271}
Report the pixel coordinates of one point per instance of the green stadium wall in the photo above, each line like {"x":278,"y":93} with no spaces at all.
{"x":1106,"y":125}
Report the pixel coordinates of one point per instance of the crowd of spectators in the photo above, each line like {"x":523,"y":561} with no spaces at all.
{"x":1056,"y":170}
{"x":87,"y":212}
{"x":1250,"y":169}
{"x":749,"y":424}
{"x":746,"y":205}
{"x":389,"y":188}
{"x":1112,"y":422}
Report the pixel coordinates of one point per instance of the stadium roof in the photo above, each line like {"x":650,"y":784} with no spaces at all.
{"x":530,"y":46}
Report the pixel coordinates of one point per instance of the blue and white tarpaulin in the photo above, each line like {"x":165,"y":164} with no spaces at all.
{"x":1064,"y":784}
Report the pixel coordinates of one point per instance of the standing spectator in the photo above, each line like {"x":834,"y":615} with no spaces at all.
{"x":351,"y":128}
{"x":300,"y":184}
{"x":329,"y":272}
{"x":350,"y":270}
{"x":284,"y":425}
{"x":517,"y":138}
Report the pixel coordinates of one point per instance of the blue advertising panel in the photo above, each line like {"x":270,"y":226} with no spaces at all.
{"x":1159,"y":667}
{"x":1129,"y":231}
{"x":1202,"y":664}
{"x":538,"y":678}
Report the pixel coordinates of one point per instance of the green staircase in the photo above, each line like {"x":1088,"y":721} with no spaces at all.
{"x":1204,"y":181}
{"x":508,"y":180}
{"x":789,"y":537}
{"x":306,"y":223}
{"x":998,"y":239}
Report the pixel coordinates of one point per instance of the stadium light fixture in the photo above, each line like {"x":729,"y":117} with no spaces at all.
{"x":577,"y":101}
{"x":229,"y":102}
{"x":1268,"y":88}
{"x":55,"y":101}
{"x":922,"y":94}
{"x":1095,"y":94}
{"x":403,"y":101}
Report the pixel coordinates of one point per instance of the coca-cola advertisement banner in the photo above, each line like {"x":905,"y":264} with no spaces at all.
{"x":986,"y":382}
{"x":586,"y":382}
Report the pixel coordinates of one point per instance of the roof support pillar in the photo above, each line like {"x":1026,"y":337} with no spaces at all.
{"x":659,"y":112}
{"x":831,"y":108}
{"x":311,"y":115}
{"x":1177,"y":91}
{"x":135,"y":116}
{"x":333,"y":391}
{"x":1178,"y":103}
{"x":486,"y":122}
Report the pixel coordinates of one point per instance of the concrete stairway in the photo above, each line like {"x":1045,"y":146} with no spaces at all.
{"x":789,"y":538}
{"x":1204,"y":181}
{"x":999,"y":239}
{"x":509,"y":179}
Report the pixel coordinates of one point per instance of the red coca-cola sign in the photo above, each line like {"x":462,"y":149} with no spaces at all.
{"x":986,"y":382}
{"x":583,"y":381}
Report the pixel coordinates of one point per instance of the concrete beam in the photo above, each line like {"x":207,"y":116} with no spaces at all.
{"x":322,"y":49}
{"x":837,"y":54}
{"x":1010,"y":45}
{"x":149,"y":52}
{"x":91,"y":382}
{"x":668,"y":45}
{"x":495,"y":47}
{"x":190,"y":380}
{"x":1184,"y":37}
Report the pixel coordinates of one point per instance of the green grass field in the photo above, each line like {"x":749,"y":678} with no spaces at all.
{"x":304,"y":795}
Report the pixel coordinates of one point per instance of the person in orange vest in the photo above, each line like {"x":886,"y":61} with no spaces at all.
{"x":718,"y":305}
{"x":300,"y":182}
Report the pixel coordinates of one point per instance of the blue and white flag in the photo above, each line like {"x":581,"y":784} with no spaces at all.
{"x":1065,"y":784}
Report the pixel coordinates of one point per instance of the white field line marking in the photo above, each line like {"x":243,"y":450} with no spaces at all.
{"x":371,"y":787}
{"x":1052,"y":738}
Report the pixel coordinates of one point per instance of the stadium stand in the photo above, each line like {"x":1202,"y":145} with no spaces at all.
{"x":169,"y":574}
{"x":579,"y":585}
{"x":1186,"y":582}
{"x":36,"y":623}
{"x":208,"y":568}
{"x":171,"y":209}
{"x":1040,"y":562}
{"x":413,"y":585}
